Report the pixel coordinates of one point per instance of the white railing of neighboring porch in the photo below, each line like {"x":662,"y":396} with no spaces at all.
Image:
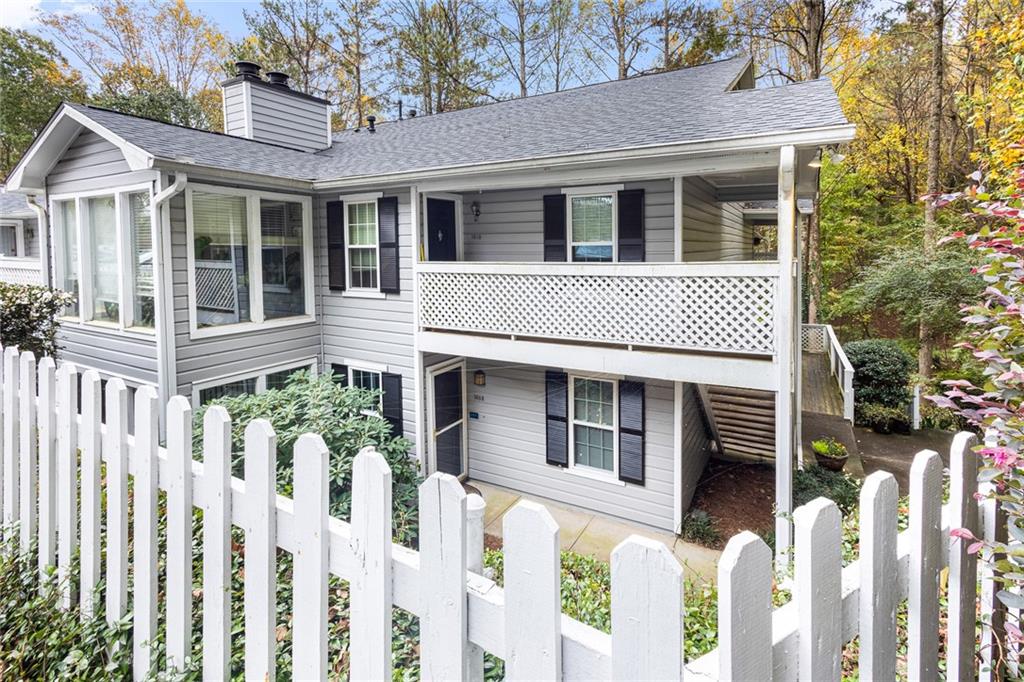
{"x":726,"y":307}
{"x":821,"y":338}
{"x":20,"y":270}
{"x":461,"y":613}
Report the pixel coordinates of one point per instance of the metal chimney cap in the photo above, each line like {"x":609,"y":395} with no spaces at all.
{"x":279,"y":78}
{"x":371,"y":120}
{"x":244,"y":68}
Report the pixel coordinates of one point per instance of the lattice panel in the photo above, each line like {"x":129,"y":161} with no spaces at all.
{"x":20,"y":274}
{"x":215,"y":286}
{"x":813,"y":338}
{"x":734,"y":313}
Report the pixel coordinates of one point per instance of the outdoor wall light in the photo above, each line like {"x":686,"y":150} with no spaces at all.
{"x":475,"y":209}
{"x":479,"y":378}
{"x":816,"y":161}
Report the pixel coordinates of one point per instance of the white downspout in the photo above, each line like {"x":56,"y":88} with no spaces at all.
{"x":166,"y":355}
{"x":43,"y":226}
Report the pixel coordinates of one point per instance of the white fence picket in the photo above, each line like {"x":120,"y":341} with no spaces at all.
{"x":11,"y":439}
{"x":443,"y":618}
{"x":878,"y":499}
{"x":46,"y":418}
{"x":179,"y":531}
{"x":67,"y":478}
{"x":89,"y":448}
{"x":216,"y":544}
{"x":475,"y":511}
{"x":370,"y":587}
{"x":115,"y":453}
{"x":816,"y":589}
{"x":144,"y":495}
{"x":963,"y":566}
{"x":647,"y":611}
{"x":309,"y":578}
{"x":29,"y":452}
{"x":925,"y":563}
{"x":533,"y":602}
{"x":744,"y":609}
{"x":260,"y":599}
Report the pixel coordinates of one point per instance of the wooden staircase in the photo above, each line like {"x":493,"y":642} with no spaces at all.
{"x":741,"y":421}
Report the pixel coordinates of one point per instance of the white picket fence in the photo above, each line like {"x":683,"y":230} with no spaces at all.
{"x":461,"y":613}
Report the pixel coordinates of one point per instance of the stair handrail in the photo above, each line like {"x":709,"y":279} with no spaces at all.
{"x":842,"y":370}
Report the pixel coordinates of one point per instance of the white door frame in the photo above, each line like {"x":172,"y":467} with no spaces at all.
{"x":457,"y":200}
{"x":432,"y":371}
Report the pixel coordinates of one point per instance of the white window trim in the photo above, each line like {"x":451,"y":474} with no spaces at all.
{"x":592,"y":191}
{"x":255,"y":249}
{"x":126,"y":293}
{"x":370,"y":368}
{"x":259,"y":374}
{"x":347,"y":202}
{"x":581,"y":469}
{"x":19,"y":237}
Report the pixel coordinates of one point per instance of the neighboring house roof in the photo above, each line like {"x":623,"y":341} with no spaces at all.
{"x":685,"y":106}
{"x":14,"y":205}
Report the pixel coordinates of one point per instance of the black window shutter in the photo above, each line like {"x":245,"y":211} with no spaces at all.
{"x":336,"y":245}
{"x":391,"y":388}
{"x":557,"y":406}
{"x":631,"y":226}
{"x":554,"y":227}
{"x":340,"y":373}
{"x":631,"y":431}
{"x":387,"y":231}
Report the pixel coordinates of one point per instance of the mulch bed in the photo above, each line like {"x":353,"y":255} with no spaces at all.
{"x":737,"y":497}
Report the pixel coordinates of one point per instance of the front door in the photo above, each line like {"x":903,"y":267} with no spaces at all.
{"x":448,"y":417}
{"x":442,"y":233}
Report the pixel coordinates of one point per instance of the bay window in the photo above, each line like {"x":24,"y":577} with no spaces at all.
{"x":103,"y":254}
{"x":249,"y":259}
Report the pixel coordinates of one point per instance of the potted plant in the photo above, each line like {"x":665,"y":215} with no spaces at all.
{"x":830,"y":453}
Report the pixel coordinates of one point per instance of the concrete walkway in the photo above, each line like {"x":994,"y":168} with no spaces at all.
{"x":593,"y":534}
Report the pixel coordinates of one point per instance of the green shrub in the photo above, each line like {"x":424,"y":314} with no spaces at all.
{"x":880,"y":418}
{"x":28,"y":317}
{"x":829,"y":447}
{"x":41,"y":641}
{"x":881,"y":372}
{"x":699,"y":528}
{"x":342,"y":416}
{"x":814,"y":481}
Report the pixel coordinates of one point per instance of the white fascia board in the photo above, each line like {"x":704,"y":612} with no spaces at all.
{"x":801,"y":138}
{"x":200,"y":173}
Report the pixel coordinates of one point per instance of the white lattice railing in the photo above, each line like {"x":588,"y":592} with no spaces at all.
{"x":821,"y":338}
{"x":20,"y":270}
{"x":720,"y":307}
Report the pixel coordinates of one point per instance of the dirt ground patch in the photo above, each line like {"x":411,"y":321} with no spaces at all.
{"x":737,"y":497}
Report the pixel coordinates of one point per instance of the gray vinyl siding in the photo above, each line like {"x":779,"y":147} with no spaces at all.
{"x":234,"y":109}
{"x":288,"y":120}
{"x":31,"y":226}
{"x":511,"y":223}
{"x":506,"y":448}
{"x":372,"y":330}
{"x":91,"y":163}
{"x":231,"y":354}
{"x":712,"y":230}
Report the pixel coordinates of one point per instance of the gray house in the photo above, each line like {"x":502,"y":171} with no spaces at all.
{"x":19,"y":239}
{"x":562,"y":294}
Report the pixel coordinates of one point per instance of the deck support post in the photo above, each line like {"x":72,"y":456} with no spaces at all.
{"x":417,"y":364}
{"x":784,"y":353}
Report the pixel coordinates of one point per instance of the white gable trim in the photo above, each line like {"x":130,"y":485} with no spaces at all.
{"x":47,"y":149}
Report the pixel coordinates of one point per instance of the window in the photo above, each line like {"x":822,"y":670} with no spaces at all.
{"x":361,"y":242}
{"x":254,"y":382}
{"x":250,"y":258}
{"x":141,"y":259}
{"x":66,"y":231}
{"x":100,"y":228}
{"x":594,"y":423}
{"x":592,"y":221}
{"x":12,"y":240}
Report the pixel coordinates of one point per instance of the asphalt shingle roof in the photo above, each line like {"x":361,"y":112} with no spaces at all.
{"x":687,"y":105}
{"x":14,"y":205}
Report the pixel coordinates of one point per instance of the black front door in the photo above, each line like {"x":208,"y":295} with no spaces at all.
{"x":448,"y":421}
{"x":441,"y":232}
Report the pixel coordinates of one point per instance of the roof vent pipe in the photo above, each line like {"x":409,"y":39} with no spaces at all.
{"x":412,"y":113}
{"x":278,"y":78}
{"x":371,"y":120}
{"x":247,"y":69}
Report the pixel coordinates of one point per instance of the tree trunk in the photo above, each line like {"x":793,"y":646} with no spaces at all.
{"x":927,"y":344}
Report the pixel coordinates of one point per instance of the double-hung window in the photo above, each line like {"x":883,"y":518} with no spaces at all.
{"x":361,"y":245}
{"x":251,"y":383}
{"x":593,"y":424}
{"x":250,"y":259}
{"x":104,"y":255}
{"x":12,"y":239}
{"x":592,"y":227}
